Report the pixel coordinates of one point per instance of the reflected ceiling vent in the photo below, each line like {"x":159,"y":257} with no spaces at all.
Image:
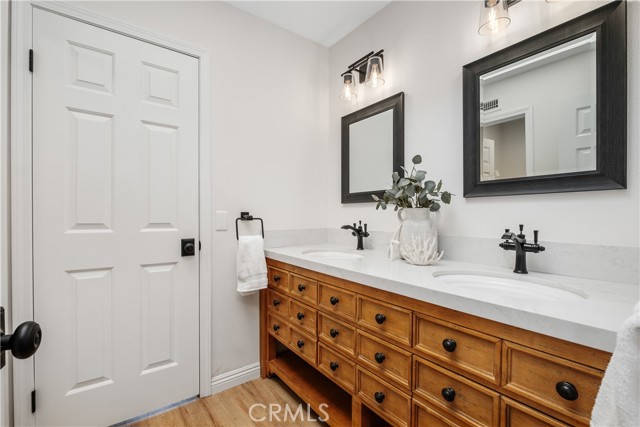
{"x":489,"y":105}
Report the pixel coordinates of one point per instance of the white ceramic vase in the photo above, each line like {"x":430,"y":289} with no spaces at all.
{"x":418,"y":238}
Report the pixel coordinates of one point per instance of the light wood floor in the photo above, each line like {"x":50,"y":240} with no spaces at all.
{"x":230,"y":408}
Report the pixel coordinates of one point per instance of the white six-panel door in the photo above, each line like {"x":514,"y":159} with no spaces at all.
{"x":115,"y":189}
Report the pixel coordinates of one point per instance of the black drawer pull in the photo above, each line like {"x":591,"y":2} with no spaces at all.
{"x":449,"y":345}
{"x":380,"y":357}
{"x":566,"y":390}
{"x":300,"y":316}
{"x":300,"y":343}
{"x":334,"y":300}
{"x":333,"y":366}
{"x":276,"y":278}
{"x":380,"y":318}
{"x":379,"y":396}
{"x":334,"y":333}
{"x":449,"y":394}
{"x":276,"y":327}
{"x":276,"y":302}
{"x":301,"y":287}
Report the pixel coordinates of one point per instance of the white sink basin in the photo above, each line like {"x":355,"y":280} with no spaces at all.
{"x":484,"y":284}
{"x":332,"y":253}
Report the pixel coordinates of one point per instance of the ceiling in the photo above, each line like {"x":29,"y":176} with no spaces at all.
{"x":324,"y":22}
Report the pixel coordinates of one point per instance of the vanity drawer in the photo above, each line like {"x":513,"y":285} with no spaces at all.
{"x":337,"y":335}
{"x":338,"y":368}
{"x":278,"y":303}
{"x":278,"y":327}
{"x":473,"y":403}
{"x":338,"y":301}
{"x":304,"y":289}
{"x":474,"y":352}
{"x":384,"y":359}
{"x":302,"y":316}
{"x":391,"y":321}
{"x":303,"y":344}
{"x":536,"y":376}
{"x":279,"y":279}
{"x":515,"y":414}
{"x":426,"y":416}
{"x":383,"y":398}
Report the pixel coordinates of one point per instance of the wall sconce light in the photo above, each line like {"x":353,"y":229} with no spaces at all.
{"x":370,"y":70}
{"x":494,"y":16}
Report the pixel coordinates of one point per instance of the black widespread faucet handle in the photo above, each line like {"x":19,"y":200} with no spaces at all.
{"x":521,"y":228}
{"x":506,"y":230}
{"x":365,"y":227}
{"x":535,"y":237}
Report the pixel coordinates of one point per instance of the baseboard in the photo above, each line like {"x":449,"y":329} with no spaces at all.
{"x":236,"y":377}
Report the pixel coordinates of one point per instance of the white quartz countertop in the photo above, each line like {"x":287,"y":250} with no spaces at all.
{"x":591,"y":319}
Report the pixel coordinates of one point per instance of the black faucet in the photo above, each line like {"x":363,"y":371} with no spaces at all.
{"x":519,"y":244}
{"x":357,"y":231}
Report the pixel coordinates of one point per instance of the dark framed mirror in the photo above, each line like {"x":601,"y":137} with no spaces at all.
{"x":549,"y":114}
{"x":372,"y":149}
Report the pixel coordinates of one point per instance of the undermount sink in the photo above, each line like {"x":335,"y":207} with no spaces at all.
{"x":483,"y":284}
{"x":332,"y":253}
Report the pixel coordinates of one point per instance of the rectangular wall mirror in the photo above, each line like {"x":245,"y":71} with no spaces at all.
{"x":372,"y":149}
{"x":549,"y":113}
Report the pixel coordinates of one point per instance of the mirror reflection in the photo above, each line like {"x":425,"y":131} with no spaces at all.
{"x":371,"y":153}
{"x":537,"y":115}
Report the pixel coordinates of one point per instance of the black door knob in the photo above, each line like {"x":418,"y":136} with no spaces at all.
{"x":300,"y":316}
{"x":188,"y":247}
{"x":300,"y":343}
{"x":301,"y":287}
{"x":334,"y":333}
{"x":380,"y":357}
{"x":24,"y":341}
{"x":276,"y":302}
{"x":380,"y":318}
{"x":566,"y":390}
{"x":333,"y":366}
{"x":449,"y":394}
{"x":334,"y":300}
{"x":449,"y":345}
{"x":276,"y":327}
{"x":379,"y":396}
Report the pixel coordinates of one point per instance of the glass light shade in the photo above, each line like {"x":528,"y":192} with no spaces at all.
{"x":375,"y":72}
{"x":348,"y":91}
{"x":494,"y":17}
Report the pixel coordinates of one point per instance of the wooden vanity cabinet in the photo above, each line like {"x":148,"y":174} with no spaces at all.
{"x":377,"y":358}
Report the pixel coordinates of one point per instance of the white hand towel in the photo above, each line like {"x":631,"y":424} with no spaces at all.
{"x":618,"y":400}
{"x":251,"y":265}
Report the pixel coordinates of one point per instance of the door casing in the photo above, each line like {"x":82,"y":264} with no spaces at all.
{"x":21,"y":183}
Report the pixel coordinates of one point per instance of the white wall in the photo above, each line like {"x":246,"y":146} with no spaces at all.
{"x":426,"y":44}
{"x":270,"y":113}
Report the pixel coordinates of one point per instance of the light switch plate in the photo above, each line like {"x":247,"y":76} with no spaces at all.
{"x":222,"y":220}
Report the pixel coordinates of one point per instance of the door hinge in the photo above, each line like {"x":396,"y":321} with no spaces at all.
{"x":31,"y":60}
{"x":199,"y":245}
{"x":33,"y":402}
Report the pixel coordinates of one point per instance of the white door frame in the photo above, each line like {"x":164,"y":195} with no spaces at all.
{"x":21,"y":185}
{"x":495,"y":118}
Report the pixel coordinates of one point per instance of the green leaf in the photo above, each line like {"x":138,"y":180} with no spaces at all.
{"x":417,"y":159}
{"x":404,"y":182}
{"x":435,"y":206}
{"x":420,"y":175}
{"x":429,"y":186}
{"x":376,"y":198}
{"x":410,"y":191}
{"x":398,"y":194}
{"x":384,"y":207}
{"x":439,"y":186}
{"x":446,"y":197}
{"x":395,"y":176}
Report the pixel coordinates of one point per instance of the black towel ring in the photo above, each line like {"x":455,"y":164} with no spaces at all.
{"x":245,"y":216}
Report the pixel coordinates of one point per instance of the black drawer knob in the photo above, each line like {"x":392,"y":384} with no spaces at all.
{"x":380,"y":357}
{"x":301,"y":287}
{"x":276,"y":278}
{"x":334,"y":333}
{"x":379,"y":396}
{"x":300,"y":343}
{"x":333,"y":366}
{"x":380,"y":318}
{"x":276,"y":302}
{"x":449,"y":394}
{"x":300,"y":316}
{"x":334,"y":300}
{"x":449,"y":345}
{"x":276,"y":327}
{"x":566,"y":390}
